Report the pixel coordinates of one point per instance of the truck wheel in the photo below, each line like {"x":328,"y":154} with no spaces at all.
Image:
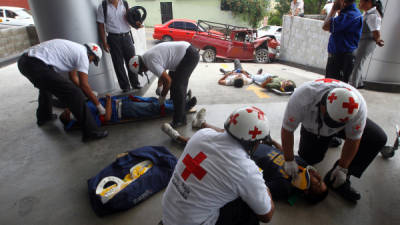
{"x":209,"y":55}
{"x":166,"y":38}
{"x":262,"y":55}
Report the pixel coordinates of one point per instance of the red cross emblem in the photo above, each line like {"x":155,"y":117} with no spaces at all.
{"x":135,"y":64}
{"x":357,"y":127}
{"x":255,"y":132}
{"x":327,"y":80}
{"x":95,"y":48}
{"x":344,"y":120}
{"x":232,"y":119}
{"x":351,"y":105}
{"x":193,"y":166}
{"x":259,"y":111}
{"x":332,"y":98}
{"x":291,"y":119}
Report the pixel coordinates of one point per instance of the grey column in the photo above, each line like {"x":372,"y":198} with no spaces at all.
{"x":74,"y":20}
{"x":383,"y":70}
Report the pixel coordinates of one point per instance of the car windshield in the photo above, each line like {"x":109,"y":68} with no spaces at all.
{"x":202,"y":29}
{"x":23,"y":13}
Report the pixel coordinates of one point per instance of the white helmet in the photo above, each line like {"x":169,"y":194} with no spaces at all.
{"x":248,"y":125}
{"x":134,"y":64}
{"x":342,"y":104}
{"x":95,"y":50}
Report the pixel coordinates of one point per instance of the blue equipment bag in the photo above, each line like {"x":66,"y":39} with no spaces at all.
{"x":131,"y":179}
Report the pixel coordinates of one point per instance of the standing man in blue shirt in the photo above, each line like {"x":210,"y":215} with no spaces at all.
{"x":345,"y":32}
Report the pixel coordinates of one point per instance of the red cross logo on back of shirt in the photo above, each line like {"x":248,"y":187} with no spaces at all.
{"x":351,"y":105}
{"x":193,"y":166}
{"x":327,"y":80}
{"x":135,"y":64}
{"x":95,"y":48}
{"x":259,"y":111}
{"x":332,"y":98}
{"x":232,"y":119}
{"x":255,"y":132}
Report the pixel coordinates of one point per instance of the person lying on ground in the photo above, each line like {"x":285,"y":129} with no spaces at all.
{"x":125,"y":108}
{"x":270,"y":159}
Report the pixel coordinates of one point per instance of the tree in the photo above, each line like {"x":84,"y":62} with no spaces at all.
{"x":252,"y":11}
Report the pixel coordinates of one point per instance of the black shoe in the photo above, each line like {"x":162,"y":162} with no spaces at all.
{"x":260,"y":71}
{"x":137,"y":86}
{"x":126,"y":90}
{"x":335,"y":142}
{"x":94,"y":135}
{"x":222,"y":71}
{"x":345,"y":190}
{"x":42,"y":122}
{"x":192,"y":102}
{"x":177,"y":124}
{"x":361,"y":87}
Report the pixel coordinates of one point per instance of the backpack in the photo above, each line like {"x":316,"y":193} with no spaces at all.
{"x":104,"y":5}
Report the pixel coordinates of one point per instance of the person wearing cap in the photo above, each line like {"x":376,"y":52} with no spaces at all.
{"x":42,"y":65}
{"x":215,"y":180}
{"x":345,"y":32}
{"x":173,"y":64}
{"x":118,"y":41}
{"x":328,"y":108}
{"x":370,"y":38}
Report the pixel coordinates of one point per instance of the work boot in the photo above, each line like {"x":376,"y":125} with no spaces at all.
{"x":42,"y":122}
{"x":345,"y":190}
{"x":94,"y":135}
{"x":335,"y":142}
{"x":199,"y":119}
{"x":260,"y":71}
{"x":222,"y":71}
{"x":191,"y":103}
{"x":168,"y":130}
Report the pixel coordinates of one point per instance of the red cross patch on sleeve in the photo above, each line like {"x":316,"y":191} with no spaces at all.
{"x":193,"y":166}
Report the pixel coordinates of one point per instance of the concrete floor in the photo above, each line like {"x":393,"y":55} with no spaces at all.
{"x":44,"y":171}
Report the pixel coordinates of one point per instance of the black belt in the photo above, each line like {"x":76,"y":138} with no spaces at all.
{"x":120,"y":34}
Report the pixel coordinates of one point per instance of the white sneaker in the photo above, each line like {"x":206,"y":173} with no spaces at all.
{"x":199,"y":119}
{"x":167,"y":129}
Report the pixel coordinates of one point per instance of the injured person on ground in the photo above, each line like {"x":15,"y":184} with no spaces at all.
{"x":270,"y":160}
{"x":121,"y":109}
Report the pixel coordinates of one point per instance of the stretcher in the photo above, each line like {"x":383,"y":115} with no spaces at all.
{"x":278,"y":92}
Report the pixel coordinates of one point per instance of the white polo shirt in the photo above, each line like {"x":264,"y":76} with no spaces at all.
{"x":63,"y":55}
{"x":302,"y":108}
{"x":299,"y":4}
{"x":212,"y":171}
{"x":230,"y":79}
{"x":373,"y":18}
{"x":165,"y":56}
{"x":116,"y":21}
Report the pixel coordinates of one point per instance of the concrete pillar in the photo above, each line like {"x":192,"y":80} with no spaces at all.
{"x":74,"y":20}
{"x":383,"y":71}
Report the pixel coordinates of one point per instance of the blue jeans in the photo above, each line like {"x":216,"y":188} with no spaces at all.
{"x":131,"y":109}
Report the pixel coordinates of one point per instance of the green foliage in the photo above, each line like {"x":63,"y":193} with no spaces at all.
{"x":282,"y":7}
{"x":252,"y":11}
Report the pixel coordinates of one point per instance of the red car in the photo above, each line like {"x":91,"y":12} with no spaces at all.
{"x":231,"y":42}
{"x":175,"y":30}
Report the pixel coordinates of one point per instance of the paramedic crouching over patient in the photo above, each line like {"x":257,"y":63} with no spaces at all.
{"x":42,"y":65}
{"x":179,"y":58}
{"x":328,"y":108}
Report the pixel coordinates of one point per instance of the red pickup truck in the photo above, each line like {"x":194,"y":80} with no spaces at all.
{"x":231,"y":42}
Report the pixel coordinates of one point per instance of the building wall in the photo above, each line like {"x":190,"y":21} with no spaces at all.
{"x":13,"y":41}
{"x":188,"y":9}
{"x":17,"y":3}
{"x":304,"y":42}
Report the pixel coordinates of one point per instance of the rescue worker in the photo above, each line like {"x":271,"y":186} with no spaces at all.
{"x":326,"y":108}
{"x":42,"y":65}
{"x":345,"y":32}
{"x":172,"y":63}
{"x":215,"y":180}
{"x":119,"y":40}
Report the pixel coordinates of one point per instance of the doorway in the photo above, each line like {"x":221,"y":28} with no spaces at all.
{"x":166,"y":11}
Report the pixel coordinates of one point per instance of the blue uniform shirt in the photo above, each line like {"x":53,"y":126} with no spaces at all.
{"x":345,"y":31}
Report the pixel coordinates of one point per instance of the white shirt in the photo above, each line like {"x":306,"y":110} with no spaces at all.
{"x":63,"y":55}
{"x":116,"y":21}
{"x":373,"y":18}
{"x":165,"y":56}
{"x":228,"y":173}
{"x":231,"y":78}
{"x":328,"y":7}
{"x":302,"y":108}
{"x":299,"y":5}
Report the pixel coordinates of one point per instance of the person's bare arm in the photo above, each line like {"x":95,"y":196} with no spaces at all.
{"x":377,"y":37}
{"x":166,"y":81}
{"x":328,"y":19}
{"x":267,"y":81}
{"x":107,"y":117}
{"x":268,"y":217}
{"x":349,"y":150}
{"x":73,"y":76}
{"x":222,"y":80}
{"x":102,"y":33}
{"x":287,"y":144}
{"x":85,"y":87}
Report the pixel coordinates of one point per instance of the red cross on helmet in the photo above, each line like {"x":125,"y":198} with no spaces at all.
{"x":95,"y":50}
{"x":248,"y":125}
{"x":134,"y":64}
{"x":342,"y":104}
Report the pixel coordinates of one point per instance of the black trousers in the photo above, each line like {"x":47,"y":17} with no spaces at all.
{"x":122,"y":50}
{"x":180,"y":79}
{"x":50,"y":82}
{"x":237,"y":212}
{"x":313,"y":148}
{"x":340,"y":66}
